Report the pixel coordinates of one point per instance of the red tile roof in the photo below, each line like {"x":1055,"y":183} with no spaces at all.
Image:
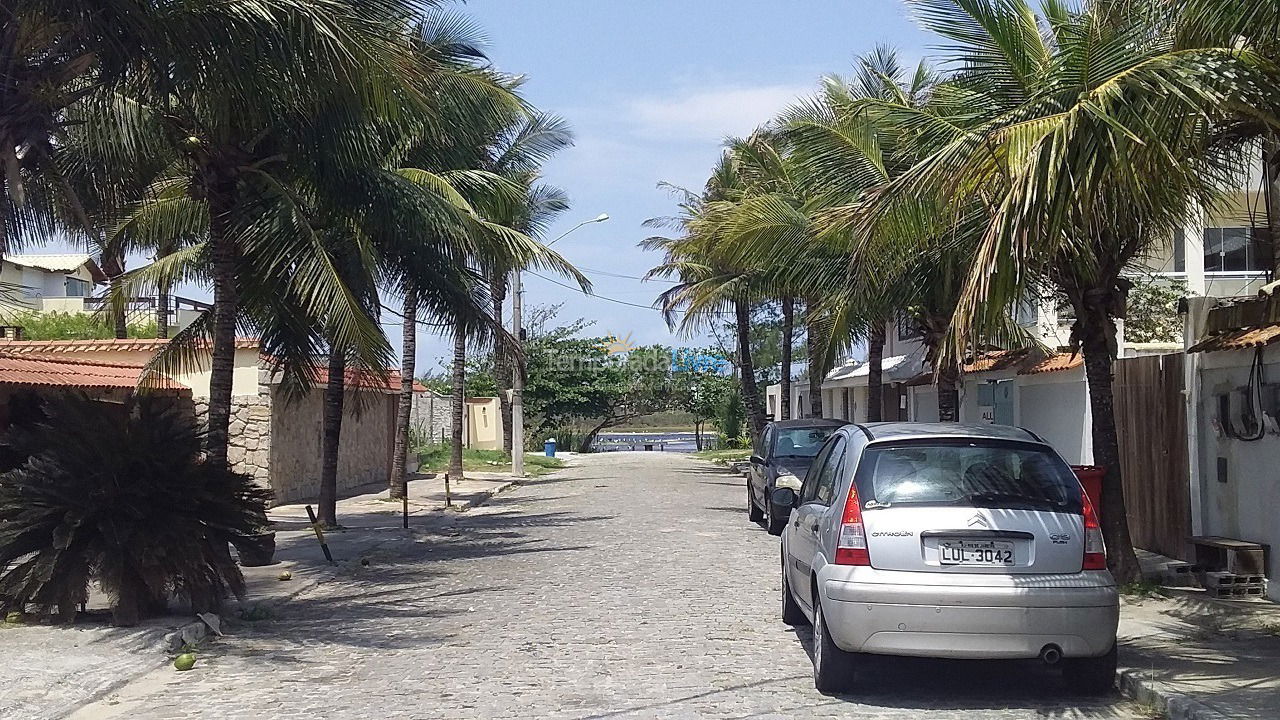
{"x":370,"y":381}
{"x":54,"y":372}
{"x":1054,"y":363}
{"x":1010,"y":359}
{"x":995,"y":360}
{"x":22,"y":347}
{"x":1243,"y":339}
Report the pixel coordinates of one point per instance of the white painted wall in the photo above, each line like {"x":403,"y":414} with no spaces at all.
{"x":1055,"y":406}
{"x":924,"y":404}
{"x":1247,"y":505}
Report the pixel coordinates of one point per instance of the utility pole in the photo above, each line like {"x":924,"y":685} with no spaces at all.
{"x":517,"y":376}
{"x":517,"y":379}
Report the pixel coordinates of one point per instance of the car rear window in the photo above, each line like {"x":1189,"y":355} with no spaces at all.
{"x":969,"y":474}
{"x":801,"y":441}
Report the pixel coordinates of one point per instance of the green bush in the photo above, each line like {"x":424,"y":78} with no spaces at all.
{"x":73,"y":326}
{"x":119,"y":495}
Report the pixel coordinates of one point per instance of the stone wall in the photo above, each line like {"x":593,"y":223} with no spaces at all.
{"x":432,"y":416}
{"x":249,"y":436}
{"x":364,"y":457}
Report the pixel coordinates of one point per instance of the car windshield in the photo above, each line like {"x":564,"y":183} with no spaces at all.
{"x":969,"y":473}
{"x":801,"y":441}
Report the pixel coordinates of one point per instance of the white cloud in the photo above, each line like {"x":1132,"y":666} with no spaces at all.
{"x":710,"y":114}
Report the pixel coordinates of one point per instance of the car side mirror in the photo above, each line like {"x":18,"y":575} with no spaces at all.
{"x":784,"y":497}
{"x":756,"y":460}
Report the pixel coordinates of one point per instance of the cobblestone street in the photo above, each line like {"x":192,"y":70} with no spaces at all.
{"x":628,"y":586}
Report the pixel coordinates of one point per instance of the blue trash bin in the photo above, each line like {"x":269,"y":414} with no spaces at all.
{"x":549,"y":447}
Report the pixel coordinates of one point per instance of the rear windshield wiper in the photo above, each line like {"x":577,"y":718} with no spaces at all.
{"x":997,"y":497}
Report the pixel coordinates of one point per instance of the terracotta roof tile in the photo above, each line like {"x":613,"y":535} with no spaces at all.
{"x":1054,"y":363}
{"x":995,"y":360}
{"x":46,"y":372}
{"x":44,"y":347}
{"x":1242,"y":339}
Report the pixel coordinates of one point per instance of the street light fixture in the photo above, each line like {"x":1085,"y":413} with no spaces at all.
{"x":517,"y":380}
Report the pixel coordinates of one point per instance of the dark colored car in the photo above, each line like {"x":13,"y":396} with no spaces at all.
{"x":781,"y":459}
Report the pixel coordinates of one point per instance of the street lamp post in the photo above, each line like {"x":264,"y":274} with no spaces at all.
{"x":517,"y":380}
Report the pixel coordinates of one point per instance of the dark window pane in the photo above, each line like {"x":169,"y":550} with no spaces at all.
{"x":968,"y":474}
{"x":802,"y":441}
{"x":1235,"y":244}
{"x":1212,"y":249}
{"x":1179,"y":250}
{"x":1261,"y":250}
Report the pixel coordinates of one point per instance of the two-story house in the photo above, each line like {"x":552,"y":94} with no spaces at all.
{"x":48,"y":283}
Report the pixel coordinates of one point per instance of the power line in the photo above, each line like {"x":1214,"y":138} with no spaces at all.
{"x":615,"y":300}
{"x":626,"y":277}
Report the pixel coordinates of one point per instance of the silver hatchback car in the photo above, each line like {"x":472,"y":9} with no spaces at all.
{"x":949,"y":541}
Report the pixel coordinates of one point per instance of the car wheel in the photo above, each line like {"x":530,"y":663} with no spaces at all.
{"x":774,"y":523}
{"x":754,"y":513}
{"x":833,"y":668}
{"x":792,"y":614}
{"x":1091,"y":676}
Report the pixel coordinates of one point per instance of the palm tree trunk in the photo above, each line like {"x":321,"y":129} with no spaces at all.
{"x":113,"y":268}
{"x":1096,"y":348}
{"x":501,"y":367}
{"x":459,"y":397}
{"x":334,"y":391}
{"x":949,"y":393}
{"x":747,"y":370}
{"x":788,"y":330}
{"x":162,"y":312}
{"x":225,"y":309}
{"x":1271,"y":193}
{"x":817,"y":360}
{"x":404,"y":404}
{"x":875,"y":374}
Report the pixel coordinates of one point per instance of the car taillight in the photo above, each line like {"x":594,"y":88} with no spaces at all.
{"x":1095,"y":549}
{"x":851,"y":548}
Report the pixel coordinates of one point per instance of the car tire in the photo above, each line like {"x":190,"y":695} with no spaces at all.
{"x":754,"y":513}
{"x":792,"y":613}
{"x":772,"y":522}
{"x":1091,"y":676}
{"x":833,"y":668}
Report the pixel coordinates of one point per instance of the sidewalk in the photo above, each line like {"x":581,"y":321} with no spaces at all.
{"x":368,"y":520}
{"x":49,"y":671}
{"x":1200,"y":658}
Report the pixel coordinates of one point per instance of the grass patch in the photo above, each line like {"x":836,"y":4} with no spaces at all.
{"x":435,"y":458}
{"x":723,"y":457}
{"x":1148,"y":711}
{"x":1141,"y":589}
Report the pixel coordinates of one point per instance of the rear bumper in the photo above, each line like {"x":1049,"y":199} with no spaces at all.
{"x":897,"y":614}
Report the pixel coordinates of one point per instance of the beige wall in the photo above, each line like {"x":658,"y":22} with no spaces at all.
{"x":296,"y":436}
{"x":484,"y":423}
{"x":244,"y":382}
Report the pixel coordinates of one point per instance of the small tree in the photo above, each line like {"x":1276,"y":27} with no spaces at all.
{"x":1152,"y":311}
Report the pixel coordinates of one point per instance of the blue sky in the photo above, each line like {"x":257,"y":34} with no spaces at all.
{"x":651,"y":89}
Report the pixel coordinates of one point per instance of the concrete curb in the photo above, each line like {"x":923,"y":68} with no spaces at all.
{"x":1176,"y":706}
{"x":486,"y":496}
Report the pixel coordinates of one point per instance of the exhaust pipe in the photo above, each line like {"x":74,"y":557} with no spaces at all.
{"x":1050,"y":655}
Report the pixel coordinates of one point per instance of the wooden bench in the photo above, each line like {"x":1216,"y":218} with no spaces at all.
{"x":1237,"y":557}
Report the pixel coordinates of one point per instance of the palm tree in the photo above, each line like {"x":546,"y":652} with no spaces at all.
{"x":518,"y":154}
{"x":709,"y":286}
{"x":56,"y":57}
{"x":1070,"y":116}
{"x":243,"y":177}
